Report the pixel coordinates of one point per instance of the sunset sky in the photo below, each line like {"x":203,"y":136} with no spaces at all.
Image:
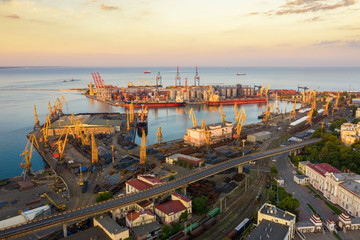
{"x":172,"y":32}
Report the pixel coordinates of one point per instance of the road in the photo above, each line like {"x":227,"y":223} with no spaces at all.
{"x":98,"y":208}
{"x":285,"y":170}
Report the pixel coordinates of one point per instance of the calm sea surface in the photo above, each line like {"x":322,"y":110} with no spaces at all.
{"x":16,"y":102}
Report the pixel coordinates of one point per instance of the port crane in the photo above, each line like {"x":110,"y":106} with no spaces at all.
{"x":303,"y":88}
{"x":336,"y":105}
{"x":143,"y":148}
{"x":206,"y":133}
{"x":26,"y":162}
{"x":269,"y":107}
{"x":193,"y":117}
{"x":293,"y":113}
{"x":45,"y":129}
{"x":132,"y":114}
{"x":222,"y":114}
{"x":59,"y":207}
{"x":127,"y":122}
{"x":61,"y":146}
{"x":94,"y":150}
{"x":326,"y":106}
{"x":235,"y":109}
{"x":177,"y":78}
{"x":241,"y":118}
{"x":37,"y":123}
{"x":159,"y":137}
{"x":197,"y":77}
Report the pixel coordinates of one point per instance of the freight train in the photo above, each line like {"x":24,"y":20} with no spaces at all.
{"x":239,"y":229}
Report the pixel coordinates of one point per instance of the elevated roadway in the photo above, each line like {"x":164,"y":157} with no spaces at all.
{"x":112,"y":204}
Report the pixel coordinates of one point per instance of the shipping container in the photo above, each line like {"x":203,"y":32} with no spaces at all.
{"x":197,"y":231}
{"x":213,"y":212}
{"x":192,"y":227}
{"x":241,"y":227}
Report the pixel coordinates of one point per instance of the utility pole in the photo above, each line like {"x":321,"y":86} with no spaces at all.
{"x":113,"y":158}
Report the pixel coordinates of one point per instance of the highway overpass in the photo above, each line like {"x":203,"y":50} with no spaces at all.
{"x":112,"y":204}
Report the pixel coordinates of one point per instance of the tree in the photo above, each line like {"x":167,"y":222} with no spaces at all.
{"x":171,"y":178}
{"x":200,"y":205}
{"x":183,"y":216}
{"x":289,"y":204}
{"x":166,"y":229}
{"x":104,"y":196}
{"x":176,"y":227}
{"x":273,"y":171}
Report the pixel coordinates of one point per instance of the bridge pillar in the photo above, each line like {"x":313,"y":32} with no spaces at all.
{"x":183,"y":189}
{"x":65,"y":230}
{"x":240,"y":168}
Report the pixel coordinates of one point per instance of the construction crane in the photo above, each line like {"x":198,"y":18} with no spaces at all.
{"x":193,"y":117}
{"x":326,"y":106}
{"x":239,"y":123}
{"x":37,"y":123}
{"x":222,"y":114}
{"x":26,"y":162}
{"x":59,"y":207}
{"x":51,"y":115}
{"x":206,"y":133}
{"x":269,"y":107}
{"x":309,"y":116}
{"x":60,"y":105}
{"x":143,"y":148}
{"x":127,"y":122}
{"x":94,"y":150}
{"x":159,"y":137}
{"x":197,"y":77}
{"x":81,"y":181}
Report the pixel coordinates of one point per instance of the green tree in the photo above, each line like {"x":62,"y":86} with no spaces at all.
{"x":199,"y":205}
{"x":176,"y":227}
{"x":289,"y":204}
{"x":183,"y":216}
{"x":128,"y":238}
{"x":104,"y":196}
{"x":273,"y":171}
{"x":166,"y":229}
{"x":270,"y":196}
{"x":171,"y":178}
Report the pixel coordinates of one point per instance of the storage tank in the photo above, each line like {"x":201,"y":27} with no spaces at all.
{"x":228,"y":92}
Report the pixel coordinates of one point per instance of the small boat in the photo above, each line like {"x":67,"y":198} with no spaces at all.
{"x":240,"y":74}
{"x":147,"y":72}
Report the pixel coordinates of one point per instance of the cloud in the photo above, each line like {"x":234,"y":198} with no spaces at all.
{"x":13,"y":16}
{"x":304,"y":6}
{"x":349,"y":43}
{"x":108,"y":8}
{"x":5,"y":1}
{"x":314,"y":19}
{"x":254,"y":13}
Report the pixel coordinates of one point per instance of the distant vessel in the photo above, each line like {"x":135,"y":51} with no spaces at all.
{"x":239,"y":74}
{"x":215,"y":100}
{"x":142,"y":116}
{"x":147,"y":71}
{"x":140,"y":104}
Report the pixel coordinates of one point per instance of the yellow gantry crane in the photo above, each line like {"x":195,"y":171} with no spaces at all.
{"x":37,"y":123}
{"x":293,"y":113}
{"x":159,"y":137}
{"x":326,"y":106}
{"x":61,"y":146}
{"x":127,"y":121}
{"x":222,"y":114}
{"x":269,"y":108}
{"x":206,"y":133}
{"x":193,"y":117}
{"x":303,"y":98}
{"x":60,"y":207}
{"x":45,"y":130}
{"x":132,"y":114}
{"x":336,"y":105}
{"x":143,"y":148}
{"x":26,"y":162}
{"x":94,"y":150}
{"x":261,"y":91}
{"x":241,"y":118}
{"x":266,"y":91}
{"x":235,"y":109}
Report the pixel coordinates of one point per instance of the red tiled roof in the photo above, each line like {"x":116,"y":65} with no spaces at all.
{"x":182,"y":197}
{"x":138,"y":184}
{"x":134,"y":215}
{"x":144,"y":204}
{"x":323,"y":168}
{"x":154,"y":180}
{"x":173,"y":206}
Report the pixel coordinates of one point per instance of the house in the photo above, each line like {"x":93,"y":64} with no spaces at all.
{"x":169,"y":212}
{"x":134,"y":219}
{"x":148,"y":231}
{"x":111,"y":228}
{"x":302,"y":166}
{"x":178,"y":157}
{"x":141,"y":183}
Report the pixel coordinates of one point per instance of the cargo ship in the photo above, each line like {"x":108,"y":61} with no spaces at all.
{"x":147,"y":72}
{"x":139,"y":104}
{"x":142,"y":116}
{"x":240,"y":74}
{"x":232,"y":101}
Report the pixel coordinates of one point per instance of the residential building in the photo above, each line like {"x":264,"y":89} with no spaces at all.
{"x":218,"y":132}
{"x":316,"y":174}
{"x":111,"y":228}
{"x":169,"y":212}
{"x":349,"y":133}
{"x":148,"y":231}
{"x":141,"y":183}
{"x":273,"y":223}
{"x":302,"y":166}
{"x":134,"y":219}
{"x":301,"y":179}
